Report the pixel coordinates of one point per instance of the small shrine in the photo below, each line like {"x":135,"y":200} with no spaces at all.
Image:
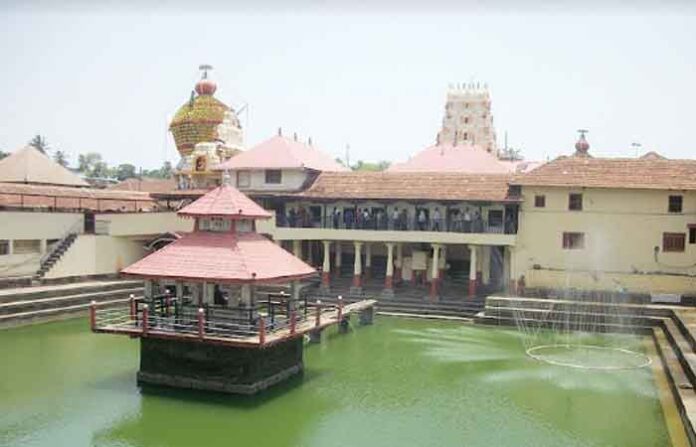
{"x":203,"y":323}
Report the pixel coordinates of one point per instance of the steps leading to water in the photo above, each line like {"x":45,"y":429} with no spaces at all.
{"x":46,"y":303}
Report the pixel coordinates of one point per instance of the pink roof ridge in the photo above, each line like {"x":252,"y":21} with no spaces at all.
{"x":225,"y":201}
{"x":464,"y":158}
{"x":280,"y":152}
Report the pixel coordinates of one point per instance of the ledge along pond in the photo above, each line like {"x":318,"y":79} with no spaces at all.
{"x":399,"y":382}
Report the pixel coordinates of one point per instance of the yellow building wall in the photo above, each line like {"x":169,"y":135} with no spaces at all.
{"x":622,"y":229}
{"x":97,"y":255}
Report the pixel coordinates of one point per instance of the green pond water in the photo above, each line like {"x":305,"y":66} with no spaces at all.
{"x":397,"y":383}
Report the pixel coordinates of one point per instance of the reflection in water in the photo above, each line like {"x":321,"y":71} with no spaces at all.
{"x":396,"y":383}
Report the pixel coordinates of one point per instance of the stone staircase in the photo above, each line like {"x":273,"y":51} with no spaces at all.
{"x":29,"y":305}
{"x":671,"y":328}
{"x":54,"y":255}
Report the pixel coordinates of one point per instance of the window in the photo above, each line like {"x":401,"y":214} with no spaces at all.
{"x":675,"y":204}
{"x":673,"y":242}
{"x":573,"y":241}
{"x":243,"y":179}
{"x":26,"y":246}
{"x":4,"y":247}
{"x":495,"y":218}
{"x":274,"y":176}
{"x":692,"y":234}
{"x":466,"y":135}
{"x":540,"y":201}
{"x":575,"y":202}
{"x":214,"y":224}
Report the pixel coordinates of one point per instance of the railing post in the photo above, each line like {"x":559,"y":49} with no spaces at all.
{"x":339,"y":317}
{"x":293,"y":322}
{"x":318,"y":314}
{"x":262,"y":330}
{"x":201,"y":323}
{"x":131,"y":301}
{"x":146,"y":309}
{"x":167,"y":304}
{"x":93,"y":315}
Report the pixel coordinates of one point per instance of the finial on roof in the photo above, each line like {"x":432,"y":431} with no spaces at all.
{"x":582,"y":146}
{"x":294,"y":136}
{"x":205,"y":86}
{"x":226,"y":178}
{"x":280,"y":131}
{"x":309,"y":141}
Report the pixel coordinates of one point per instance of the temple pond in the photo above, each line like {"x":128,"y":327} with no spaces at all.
{"x":397,"y":383}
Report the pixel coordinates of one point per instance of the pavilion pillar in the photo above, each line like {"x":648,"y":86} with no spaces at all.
{"x":297,"y":248}
{"x":326,"y":267}
{"x":513,"y":271}
{"x":368,"y":260}
{"x":43,"y":246}
{"x":398,"y":263}
{"x":389,"y":277}
{"x":472,"y":271}
{"x":434,"y":270}
{"x":147,"y":291}
{"x":179,"y":285}
{"x":357,"y":270}
{"x":442,"y":266}
{"x":337,"y":260}
{"x":486,"y":264}
{"x":479,"y":266}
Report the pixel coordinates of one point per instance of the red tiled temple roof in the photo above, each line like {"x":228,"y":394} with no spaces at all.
{"x":623,"y":173}
{"x":44,"y":196}
{"x":222,"y":257}
{"x":145,"y":185}
{"x":463,"y":158}
{"x":225,"y":201}
{"x":410,"y":186}
{"x":282,"y":153}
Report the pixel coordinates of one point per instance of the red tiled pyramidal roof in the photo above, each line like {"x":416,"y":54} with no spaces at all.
{"x":464,"y":158}
{"x":225,"y":201}
{"x":282,"y":153}
{"x":222,"y":257}
{"x":624,"y":173}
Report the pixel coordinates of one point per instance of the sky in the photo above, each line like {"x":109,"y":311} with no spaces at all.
{"x":107,"y":77}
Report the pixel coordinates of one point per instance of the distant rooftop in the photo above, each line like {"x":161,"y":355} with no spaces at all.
{"x":283,"y":153}
{"x":462,"y":158}
{"x":29,"y":165}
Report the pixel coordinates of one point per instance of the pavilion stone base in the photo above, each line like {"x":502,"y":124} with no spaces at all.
{"x":226,"y":369}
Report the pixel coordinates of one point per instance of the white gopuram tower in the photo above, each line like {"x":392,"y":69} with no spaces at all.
{"x":468,"y":118}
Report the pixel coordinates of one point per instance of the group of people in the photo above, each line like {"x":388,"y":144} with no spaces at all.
{"x":465,"y":220}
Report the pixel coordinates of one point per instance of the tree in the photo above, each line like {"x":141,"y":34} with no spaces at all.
{"x":100,"y":170}
{"x":511,"y":154}
{"x":3,"y":154}
{"x":166,"y":170}
{"x":39,"y":143}
{"x":125,"y":171}
{"x":370,"y":167}
{"x":61,"y":158}
{"x":87,"y":162}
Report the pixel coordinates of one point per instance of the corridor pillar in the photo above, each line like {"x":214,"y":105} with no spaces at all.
{"x":368,"y":260}
{"x":357,"y":270}
{"x":337,"y":259}
{"x":434,"y":271}
{"x":486,"y":264}
{"x":398,"y":263}
{"x":297,"y":248}
{"x":326,"y":267}
{"x":389,"y":277}
{"x":472,"y":270}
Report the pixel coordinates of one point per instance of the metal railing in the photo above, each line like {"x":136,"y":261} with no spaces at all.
{"x":451,"y":225}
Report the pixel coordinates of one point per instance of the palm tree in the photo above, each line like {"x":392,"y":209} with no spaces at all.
{"x":39,"y":143}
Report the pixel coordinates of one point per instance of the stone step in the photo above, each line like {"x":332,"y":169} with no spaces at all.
{"x":683,"y":390}
{"x":68,"y":300}
{"x":682,"y":348}
{"x":49,"y":291}
{"x":54,"y":314}
{"x":561,"y":316}
{"x":686,"y":322}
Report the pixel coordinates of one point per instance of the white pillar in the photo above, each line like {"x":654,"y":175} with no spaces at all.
{"x":357,"y":265}
{"x":297,"y":248}
{"x":486,"y":262}
{"x":473,"y":262}
{"x":338,"y":257}
{"x":148,"y":286}
{"x":399,"y":261}
{"x":368,"y":260}
{"x":390,"y":259}
{"x":326,"y":266}
{"x":434,"y":272}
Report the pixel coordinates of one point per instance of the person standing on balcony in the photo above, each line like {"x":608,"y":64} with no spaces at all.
{"x":437,"y":220}
{"x":348,"y":218}
{"x":396,"y":216}
{"x":336,"y":216}
{"x":467,"y":220}
{"x":422,"y":219}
